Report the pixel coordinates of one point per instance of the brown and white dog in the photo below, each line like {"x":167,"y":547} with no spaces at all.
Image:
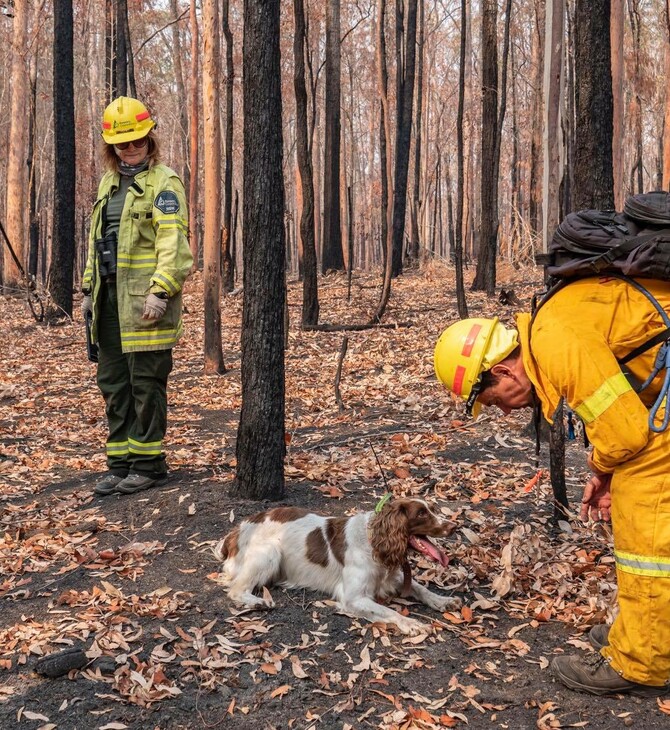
{"x":356,"y":559}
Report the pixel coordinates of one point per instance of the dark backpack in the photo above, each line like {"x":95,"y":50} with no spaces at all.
{"x":635,"y":243}
{"x":599,"y":242}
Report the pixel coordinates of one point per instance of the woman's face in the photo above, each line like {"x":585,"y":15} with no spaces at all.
{"x":132,"y":153}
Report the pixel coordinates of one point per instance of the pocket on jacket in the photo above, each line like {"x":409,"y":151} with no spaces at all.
{"x":144,"y":235}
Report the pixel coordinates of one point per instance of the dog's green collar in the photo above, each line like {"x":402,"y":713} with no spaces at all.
{"x":380,"y":505}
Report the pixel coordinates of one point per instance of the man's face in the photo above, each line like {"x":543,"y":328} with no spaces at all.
{"x":512,"y":390}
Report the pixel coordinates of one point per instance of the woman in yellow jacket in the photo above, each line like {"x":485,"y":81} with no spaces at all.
{"x":572,"y":351}
{"x":138,"y":259}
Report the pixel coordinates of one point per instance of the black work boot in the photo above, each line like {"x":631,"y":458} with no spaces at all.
{"x":108,"y":484}
{"x":595,"y":676}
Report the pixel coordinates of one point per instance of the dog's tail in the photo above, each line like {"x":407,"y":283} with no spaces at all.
{"x":228,"y":547}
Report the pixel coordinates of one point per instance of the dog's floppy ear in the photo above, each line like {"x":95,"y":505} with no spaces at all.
{"x":389,"y":535}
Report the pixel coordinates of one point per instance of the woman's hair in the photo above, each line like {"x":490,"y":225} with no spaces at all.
{"x":111,"y":159}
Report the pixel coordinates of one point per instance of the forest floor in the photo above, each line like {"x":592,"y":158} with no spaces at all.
{"x":132,"y":579}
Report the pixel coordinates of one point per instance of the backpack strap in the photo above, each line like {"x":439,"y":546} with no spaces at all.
{"x":655,"y":340}
{"x":662,"y":358}
{"x":625,"y":247}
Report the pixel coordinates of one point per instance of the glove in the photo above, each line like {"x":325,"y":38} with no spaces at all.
{"x":154,"y":307}
{"x":86,"y":305}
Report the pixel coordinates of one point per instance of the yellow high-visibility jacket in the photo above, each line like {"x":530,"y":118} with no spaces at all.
{"x":153,"y":256}
{"x":572,"y":350}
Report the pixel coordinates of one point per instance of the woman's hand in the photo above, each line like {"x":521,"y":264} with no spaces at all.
{"x":154,"y":307}
{"x":597,"y":500}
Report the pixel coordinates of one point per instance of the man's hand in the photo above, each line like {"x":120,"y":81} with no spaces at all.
{"x":597,"y":500}
{"x":154,"y":307}
{"x":86,"y":305}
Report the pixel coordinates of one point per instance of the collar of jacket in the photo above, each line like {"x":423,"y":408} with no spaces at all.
{"x":548,"y":396}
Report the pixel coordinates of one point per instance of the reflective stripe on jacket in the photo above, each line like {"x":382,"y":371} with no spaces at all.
{"x":153,"y":256}
{"x":576,"y":339}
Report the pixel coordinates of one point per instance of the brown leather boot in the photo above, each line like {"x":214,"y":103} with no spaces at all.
{"x":594,"y":675}
{"x":598,"y":636}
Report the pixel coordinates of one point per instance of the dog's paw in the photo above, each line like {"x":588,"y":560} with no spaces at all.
{"x":449,"y":604}
{"x":412,"y":627}
{"x":246,"y":599}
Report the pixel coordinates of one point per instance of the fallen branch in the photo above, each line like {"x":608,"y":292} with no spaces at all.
{"x":338,"y":375}
{"x":354,"y":327}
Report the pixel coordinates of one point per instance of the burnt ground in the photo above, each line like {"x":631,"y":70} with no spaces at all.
{"x":132,"y":579}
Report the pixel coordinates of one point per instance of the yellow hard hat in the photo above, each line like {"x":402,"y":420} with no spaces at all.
{"x":468,"y":348}
{"x":125,"y":120}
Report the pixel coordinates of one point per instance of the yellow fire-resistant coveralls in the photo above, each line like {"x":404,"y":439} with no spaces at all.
{"x":575,"y":340}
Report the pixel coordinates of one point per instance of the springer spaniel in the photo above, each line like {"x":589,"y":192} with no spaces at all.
{"x":356,"y":559}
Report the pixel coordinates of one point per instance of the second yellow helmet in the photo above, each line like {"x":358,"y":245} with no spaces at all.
{"x":125,"y":120}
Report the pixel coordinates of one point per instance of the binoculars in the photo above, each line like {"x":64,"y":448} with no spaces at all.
{"x":106,"y":248}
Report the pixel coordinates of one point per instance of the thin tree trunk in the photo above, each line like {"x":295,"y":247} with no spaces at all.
{"x":666,"y":116}
{"x":130,"y":61}
{"x":18,"y":134}
{"x":406,"y":72}
{"x":461,"y":302}
{"x":385,"y":158}
{"x":617,"y":34}
{"x":181,"y":95}
{"x":535,"y":182}
{"x":34,"y":225}
{"x":553,"y":112}
{"x":310,"y":297}
{"x":110,"y":51}
{"x":121,"y":52}
{"x":332,"y":257}
{"x":228,"y":263}
{"x":415,"y":243}
{"x":486,"y":262}
{"x":636,"y":102}
{"x":212,"y":242}
{"x":194,"y":185}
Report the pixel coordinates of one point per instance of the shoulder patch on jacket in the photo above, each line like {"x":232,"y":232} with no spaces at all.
{"x":167,"y":202}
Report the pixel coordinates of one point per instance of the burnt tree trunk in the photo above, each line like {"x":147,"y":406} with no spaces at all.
{"x":461,"y":302}
{"x":61,"y":270}
{"x":415,"y":243}
{"x":310,"y":295}
{"x":260,"y":436}
{"x":228,"y":261}
{"x":405,"y":100}
{"x":485,"y":276}
{"x":332,"y":258}
{"x":593,"y":177}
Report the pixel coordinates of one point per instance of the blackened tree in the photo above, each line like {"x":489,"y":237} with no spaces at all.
{"x":62,"y":256}
{"x":260,"y":436}
{"x":593,"y":185}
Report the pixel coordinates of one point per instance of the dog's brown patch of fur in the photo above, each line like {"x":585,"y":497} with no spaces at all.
{"x":335,"y":531}
{"x":230,"y":546}
{"x":278,"y":514}
{"x":317,"y":550}
{"x":287,"y":514}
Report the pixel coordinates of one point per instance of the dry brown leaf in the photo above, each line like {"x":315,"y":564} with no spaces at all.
{"x":281,"y":691}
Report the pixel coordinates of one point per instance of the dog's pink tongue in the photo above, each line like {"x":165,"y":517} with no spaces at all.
{"x":426,"y":547}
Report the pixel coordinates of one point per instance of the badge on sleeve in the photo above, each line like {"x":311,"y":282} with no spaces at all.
{"x":167,"y":202}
